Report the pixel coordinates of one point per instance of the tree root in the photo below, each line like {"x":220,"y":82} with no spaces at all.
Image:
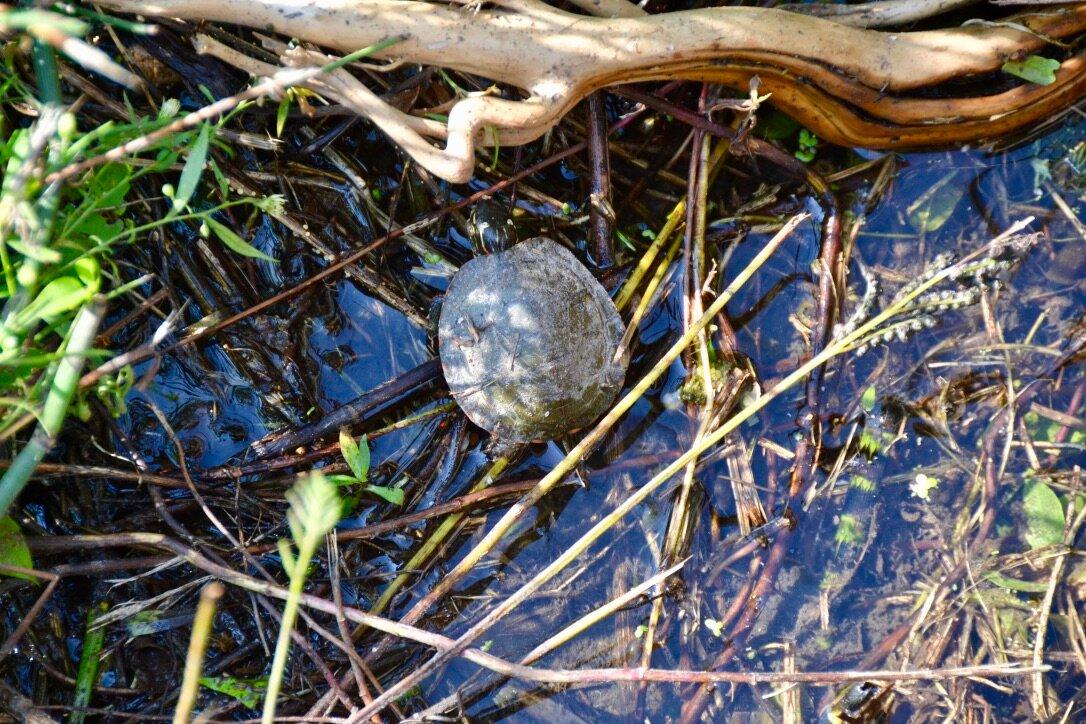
{"x":881,"y":13}
{"x":852,"y":86}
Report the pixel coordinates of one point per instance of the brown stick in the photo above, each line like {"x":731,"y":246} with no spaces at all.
{"x":558,"y":676}
{"x":600,"y":212}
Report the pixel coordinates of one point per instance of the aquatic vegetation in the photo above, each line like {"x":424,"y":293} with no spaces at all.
{"x":831,"y":533}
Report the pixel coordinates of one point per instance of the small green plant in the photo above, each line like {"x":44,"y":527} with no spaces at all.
{"x":807,"y":146}
{"x":862,"y":482}
{"x":869,"y":398}
{"x":1034,"y":68}
{"x":1044,"y":513}
{"x":867,"y":444}
{"x":922,"y":485}
{"x":848,"y":530}
{"x":13,"y":548}
{"x":89,"y":660}
{"x":357,"y":456}
{"x":314,"y":510}
{"x":57,"y":240}
{"x":248,"y":691}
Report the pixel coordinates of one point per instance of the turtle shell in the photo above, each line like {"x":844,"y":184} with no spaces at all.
{"x":527,"y":339}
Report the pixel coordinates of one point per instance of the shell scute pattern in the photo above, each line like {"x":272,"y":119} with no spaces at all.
{"x":528,"y":339}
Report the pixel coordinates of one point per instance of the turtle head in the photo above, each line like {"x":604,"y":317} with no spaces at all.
{"x":491,"y":229}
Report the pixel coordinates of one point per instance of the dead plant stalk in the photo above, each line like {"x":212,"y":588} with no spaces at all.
{"x":499,"y":665}
{"x":837,"y":347}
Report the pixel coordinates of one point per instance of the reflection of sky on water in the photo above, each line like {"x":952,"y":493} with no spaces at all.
{"x":974,"y":207}
{"x":365,"y":343}
{"x":370,"y":343}
{"x":216,"y":416}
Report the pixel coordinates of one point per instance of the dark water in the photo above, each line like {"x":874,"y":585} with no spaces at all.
{"x":365,"y":342}
{"x":867,"y":584}
{"x":836,"y":596}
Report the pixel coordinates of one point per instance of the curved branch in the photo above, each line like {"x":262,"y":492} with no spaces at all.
{"x":539,"y":47}
{"x":898,"y":110}
{"x":902,"y":123}
{"x":881,"y":13}
{"x":473,"y":122}
{"x":610,"y":8}
{"x":849,"y":85}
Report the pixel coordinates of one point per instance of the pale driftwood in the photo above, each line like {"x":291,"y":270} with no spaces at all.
{"x":610,"y":8}
{"x":849,"y":85}
{"x":881,"y":13}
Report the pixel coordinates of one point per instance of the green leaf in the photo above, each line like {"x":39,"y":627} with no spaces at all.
{"x":922,"y":485}
{"x":220,"y":178}
{"x":862,"y":482}
{"x":193,"y":169}
{"x":57,"y":297}
{"x":249,"y":692}
{"x":340,"y":479}
{"x":93,"y":230}
{"x":357,"y":454}
{"x":869,"y":398}
{"x":937,"y":204}
{"x":281,"y":114}
{"x":1035,"y":68}
{"x":89,"y":661}
{"x":350,"y":502}
{"x":79,"y":146}
{"x":234,"y":242}
{"x":808,"y":145}
{"x":622,"y":237}
{"x":1014,"y":584}
{"x":13,"y":548}
{"x":38,"y":253}
{"x":89,"y":272}
{"x":868,"y":444}
{"x":32,"y":17}
{"x":108,"y":187}
{"x":848,"y":529}
{"x":392,"y":495}
{"x":1044,"y":515}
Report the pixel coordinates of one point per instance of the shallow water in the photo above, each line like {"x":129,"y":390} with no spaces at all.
{"x":836,"y":596}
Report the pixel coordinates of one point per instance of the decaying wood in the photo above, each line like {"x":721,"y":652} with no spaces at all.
{"x":850,"y":85}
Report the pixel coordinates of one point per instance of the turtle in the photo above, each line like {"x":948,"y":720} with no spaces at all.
{"x":528,"y":339}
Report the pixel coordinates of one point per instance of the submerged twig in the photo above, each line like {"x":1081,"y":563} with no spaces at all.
{"x":502,"y":666}
{"x":357,"y":410}
{"x":600,"y":212}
